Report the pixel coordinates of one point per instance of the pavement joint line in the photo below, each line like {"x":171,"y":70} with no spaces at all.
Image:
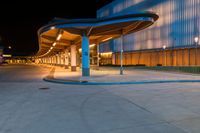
{"x":77,"y":82}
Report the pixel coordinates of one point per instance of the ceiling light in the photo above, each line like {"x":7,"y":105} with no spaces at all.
{"x":59,"y":36}
{"x":196,"y":39}
{"x":107,"y":39}
{"x":52,"y":28}
{"x":54,"y":44}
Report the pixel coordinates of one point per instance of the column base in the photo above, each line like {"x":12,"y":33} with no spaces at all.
{"x":73,"y":68}
{"x":121,"y":71}
{"x":85,"y":71}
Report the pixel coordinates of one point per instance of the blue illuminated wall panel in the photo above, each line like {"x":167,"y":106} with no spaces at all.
{"x":177,"y":26}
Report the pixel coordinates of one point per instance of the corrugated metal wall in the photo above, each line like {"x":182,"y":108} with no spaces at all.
{"x":176,"y":28}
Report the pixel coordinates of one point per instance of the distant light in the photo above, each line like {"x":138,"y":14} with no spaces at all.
{"x":51,"y":48}
{"x":52,"y":28}
{"x":7,"y":55}
{"x":196,"y":39}
{"x":164,"y":46}
{"x":9,"y":47}
{"x":54,"y":44}
{"x":107,"y":39}
{"x":59,"y":36}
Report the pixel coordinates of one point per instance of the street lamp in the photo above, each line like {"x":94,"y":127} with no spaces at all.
{"x":196,"y":40}
{"x":9,"y":47}
{"x":121,"y":55}
{"x":164,"y":47}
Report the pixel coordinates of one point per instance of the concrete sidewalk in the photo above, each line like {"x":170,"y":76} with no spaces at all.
{"x":109,"y":74}
{"x":133,"y":108}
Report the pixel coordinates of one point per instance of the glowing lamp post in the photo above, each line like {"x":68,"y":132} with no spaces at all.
{"x":164,"y":47}
{"x":196,"y":40}
{"x":164,"y":60}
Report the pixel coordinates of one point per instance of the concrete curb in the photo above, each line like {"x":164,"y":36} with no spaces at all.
{"x":76,"y":82}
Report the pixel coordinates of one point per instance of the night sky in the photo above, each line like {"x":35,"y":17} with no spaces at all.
{"x":19,"y":20}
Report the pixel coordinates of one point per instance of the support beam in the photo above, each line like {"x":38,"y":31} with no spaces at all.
{"x":66,"y":59}
{"x":98,"y":55}
{"x":57,"y":60}
{"x":73,"y":58}
{"x":85,"y":56}
{"x":72,"y":30}
{"x":54,"y":59}
{"x":51,"y":60}
{"x":77,"y":40}
{"x":62,"y":59}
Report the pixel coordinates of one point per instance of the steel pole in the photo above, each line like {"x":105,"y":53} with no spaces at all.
{"x":97,"y":55}
{"x":121,"y":56}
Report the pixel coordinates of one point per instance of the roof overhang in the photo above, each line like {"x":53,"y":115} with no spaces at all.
{"x":64,"y":33}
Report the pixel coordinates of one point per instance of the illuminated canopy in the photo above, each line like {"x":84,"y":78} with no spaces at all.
{"x":61,"y":33}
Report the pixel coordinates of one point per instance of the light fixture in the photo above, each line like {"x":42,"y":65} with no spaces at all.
{"x":196,"y":39}
{"x":9,"y":47}
{"x":107,"y":39}
{"x":52,"y":28}
{"x":164,"y":46}
{"x":54,"y":44}
{"x":107,"y":53}
{"x":7,"y":55}
{"x":59,"y":36}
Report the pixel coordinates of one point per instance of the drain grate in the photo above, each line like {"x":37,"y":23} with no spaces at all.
{"x":44,"y":88}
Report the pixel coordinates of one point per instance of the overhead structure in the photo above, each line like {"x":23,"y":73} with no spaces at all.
{"x":60,"y":34}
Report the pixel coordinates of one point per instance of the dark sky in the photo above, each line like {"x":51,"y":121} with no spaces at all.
{"x":20,"y":20}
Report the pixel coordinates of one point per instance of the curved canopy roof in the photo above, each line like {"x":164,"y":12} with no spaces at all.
{"x":61,"y":33}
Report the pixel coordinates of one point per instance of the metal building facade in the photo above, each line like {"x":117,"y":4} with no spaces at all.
{"x":176,"y":29}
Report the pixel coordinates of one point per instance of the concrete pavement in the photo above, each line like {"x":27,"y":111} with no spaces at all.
{"x":110,"y":76}
{"x":155,"y":108}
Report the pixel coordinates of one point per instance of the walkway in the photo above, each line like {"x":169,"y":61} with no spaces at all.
{"x":27,"y":107}
{"x":110,"y":75}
